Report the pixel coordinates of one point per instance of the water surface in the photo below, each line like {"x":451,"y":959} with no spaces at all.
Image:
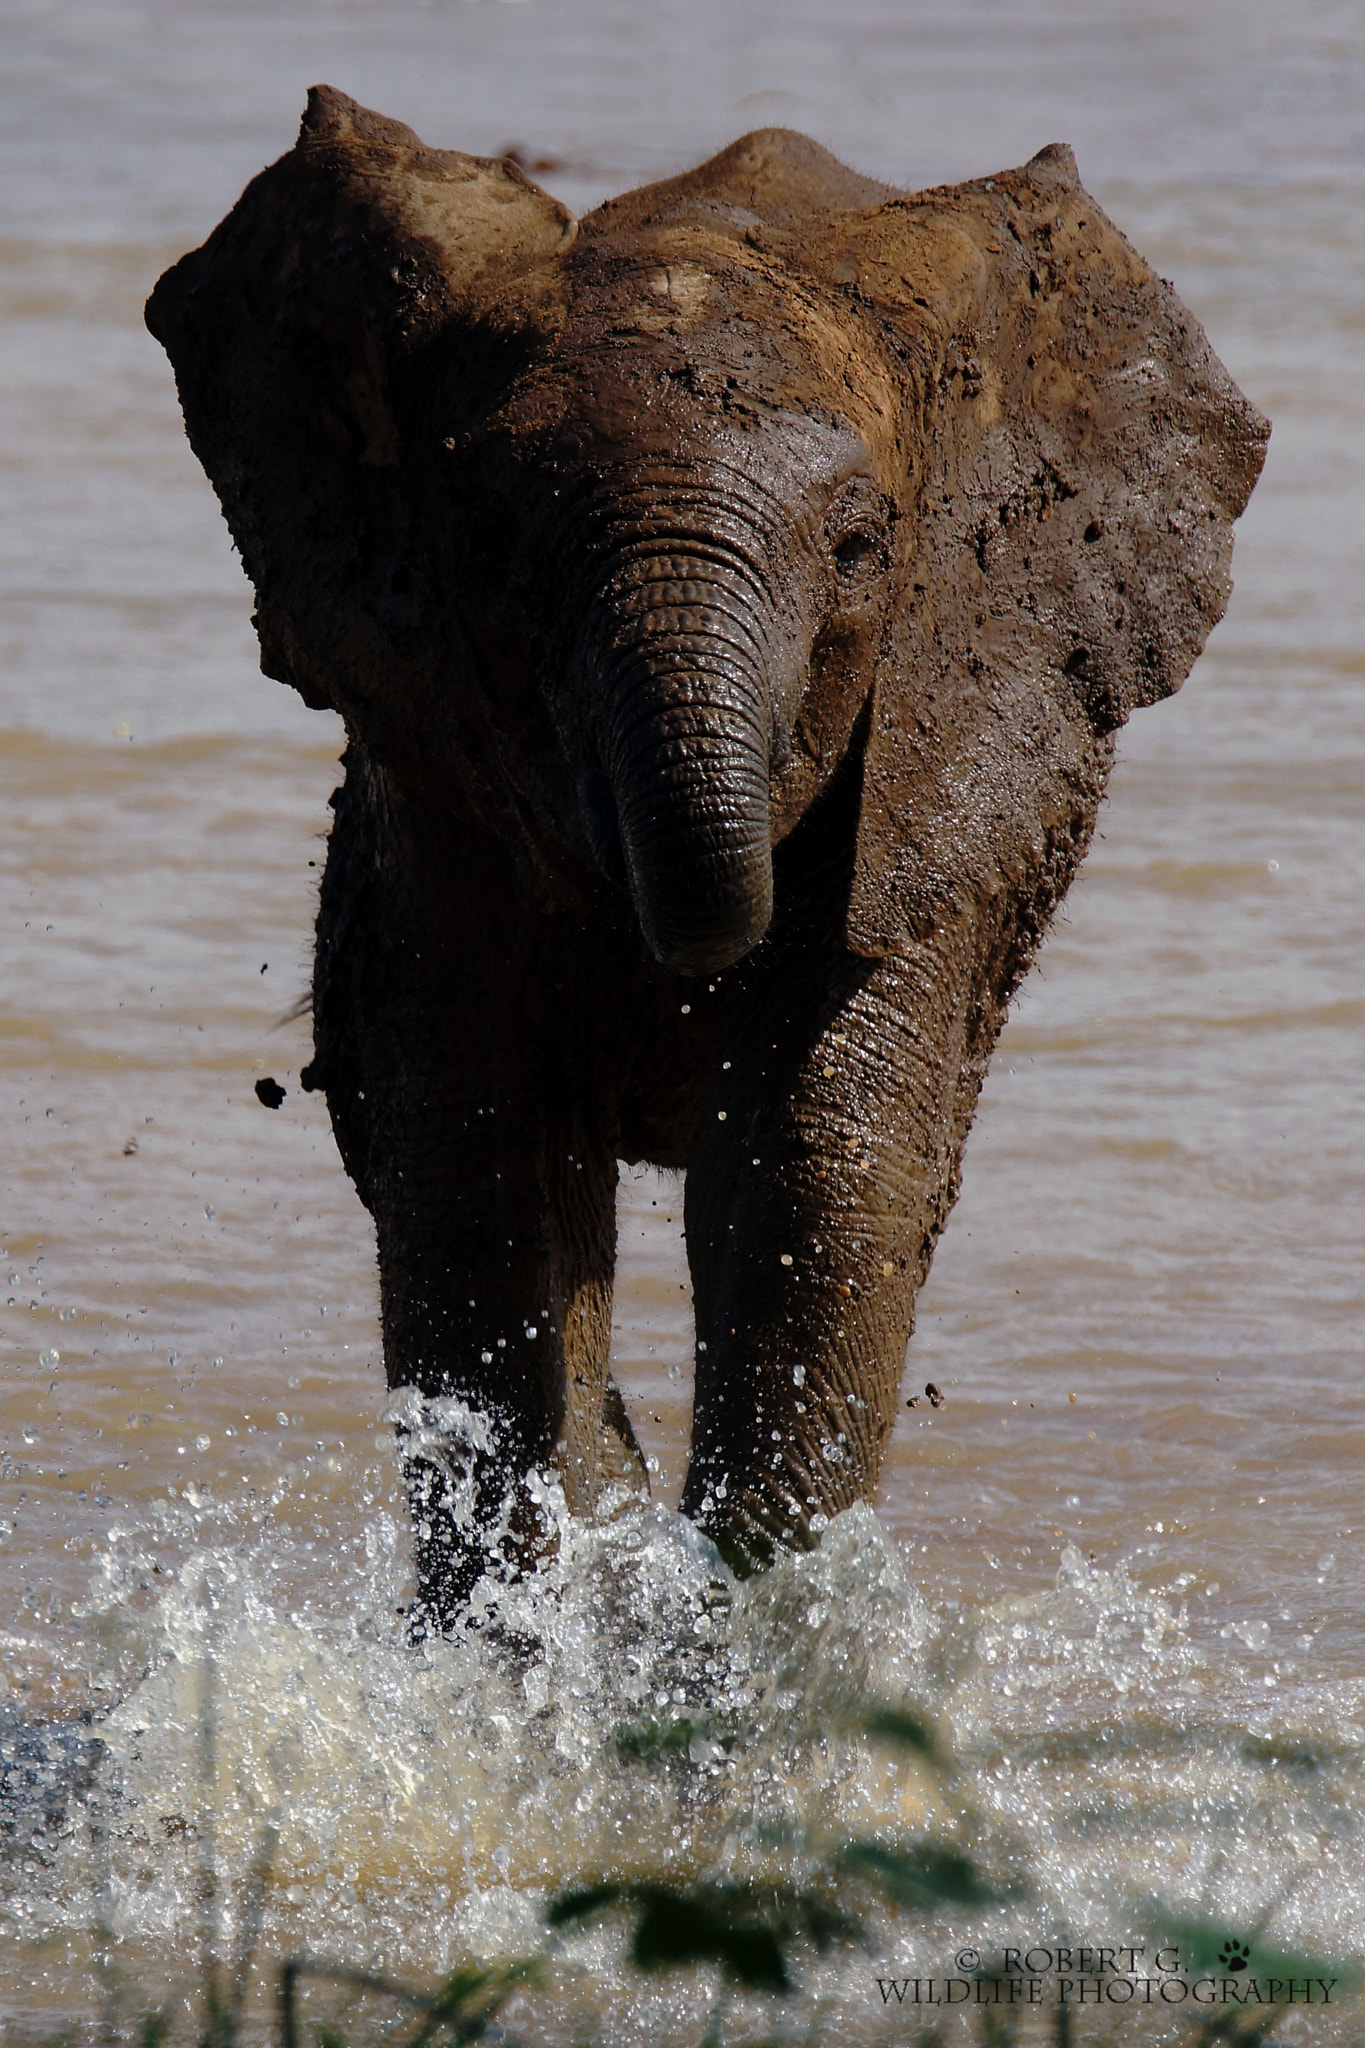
{"x":1146,"y":1311}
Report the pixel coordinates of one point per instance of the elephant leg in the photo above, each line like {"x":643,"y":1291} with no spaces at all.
{"x":824,"y":1169}
{"x":494,"y":1205}
{"x":597,"y":1456}
{"x":495,"y":1281}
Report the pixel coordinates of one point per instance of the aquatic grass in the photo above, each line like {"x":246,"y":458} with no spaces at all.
{"x":460,"y":2010}
{"x":759,"y":1936}
{"x":760,"y":1939}
{"x":749,"y":1931}
{"x":757,"y":1940}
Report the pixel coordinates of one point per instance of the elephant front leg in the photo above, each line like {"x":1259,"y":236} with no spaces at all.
{"x":455,"y":1109}
{"x":824,"y":1169}
{"x":495,"y":1282}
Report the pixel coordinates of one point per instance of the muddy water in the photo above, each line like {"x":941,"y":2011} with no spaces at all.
{"x":1140,"y":1504}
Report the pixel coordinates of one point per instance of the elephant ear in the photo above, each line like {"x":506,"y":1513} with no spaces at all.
{"x":296,"y":333}
{"x":1077,"y":454}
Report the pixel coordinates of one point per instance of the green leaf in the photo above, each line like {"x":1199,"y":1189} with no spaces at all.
{"x":459,"y":1989}
{"x":1204,"y":1943}
{"x":709,"y":1926}
{"x":899,"y":1726}
{"x":581,"y":1904}
{"x":641,"y":1741}
{"x":923,"y":1877}
{"x":828,"y":1926}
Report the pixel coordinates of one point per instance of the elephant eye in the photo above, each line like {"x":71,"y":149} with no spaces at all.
{"x":852,"y":550}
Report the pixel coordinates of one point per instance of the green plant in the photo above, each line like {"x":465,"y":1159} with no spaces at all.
{"x":459,"y":2011}
{"x":760,"y":1935}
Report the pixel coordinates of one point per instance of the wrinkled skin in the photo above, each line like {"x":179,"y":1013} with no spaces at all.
{"x":731,"y":603}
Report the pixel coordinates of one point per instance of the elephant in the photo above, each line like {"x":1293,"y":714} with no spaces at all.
{"x":731,"y":598}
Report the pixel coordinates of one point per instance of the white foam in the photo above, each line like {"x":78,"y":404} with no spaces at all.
{"x":632,"y":1710}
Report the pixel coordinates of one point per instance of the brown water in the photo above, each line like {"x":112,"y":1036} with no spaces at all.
{"x":1146,"y":1312}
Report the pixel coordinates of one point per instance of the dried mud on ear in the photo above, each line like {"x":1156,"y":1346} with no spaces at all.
{"x":1084,"y":455}
{"x":299,"y":334}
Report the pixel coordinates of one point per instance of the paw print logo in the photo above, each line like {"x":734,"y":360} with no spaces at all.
{"x":1234,"y":1956}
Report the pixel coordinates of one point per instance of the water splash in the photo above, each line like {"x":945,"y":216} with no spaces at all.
{"x":631,"y":1709}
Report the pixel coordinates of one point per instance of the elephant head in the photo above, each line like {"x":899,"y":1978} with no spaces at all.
{"x":688,"y":563}
{"x":629,"y":549}
{"x":737,"y":460}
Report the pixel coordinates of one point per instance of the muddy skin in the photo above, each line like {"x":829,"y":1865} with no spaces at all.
{"x":731,"y":599}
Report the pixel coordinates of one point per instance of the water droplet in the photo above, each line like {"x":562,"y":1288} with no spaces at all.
{"x":786,"y":1259}
{"x":282,"y":1419}
{"x":66,"y":1315}
{"x":201,"y":1443}
{"x":720,"y":1116}
{"x":49,"y":1359}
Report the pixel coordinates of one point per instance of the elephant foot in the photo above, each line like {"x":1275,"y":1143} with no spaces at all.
{"x":752,"y":1540}
{"x":470,"y":1523}
{"x":452,"y":1554}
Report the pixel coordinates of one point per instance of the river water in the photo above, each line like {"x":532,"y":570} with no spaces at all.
{"x":1124,"y":1561}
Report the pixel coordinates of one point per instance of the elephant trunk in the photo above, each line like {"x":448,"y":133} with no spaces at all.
{"x":685,"y":737}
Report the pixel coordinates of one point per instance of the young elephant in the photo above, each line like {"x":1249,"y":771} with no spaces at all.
{"x":731,"y":599}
